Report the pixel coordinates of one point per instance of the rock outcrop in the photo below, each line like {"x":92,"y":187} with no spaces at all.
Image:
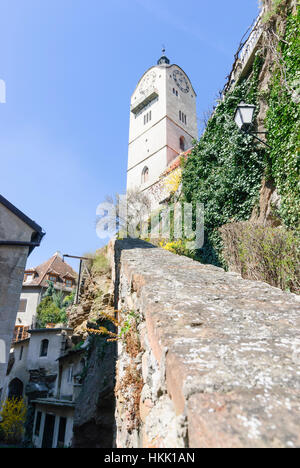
{"x":95,"y":405}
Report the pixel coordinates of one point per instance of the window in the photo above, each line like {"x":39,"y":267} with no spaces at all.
{"x":61,"y":432}
{"x":147,"y":117}
{"x":182,"y":117}
{"x":52,"y":278}
{"x":145,"y":175}
{"x":38,"y":423}
{"x":21,"y":353}
{"x":44,"y":348}
{"x":28,"y":277}
{"x":22,"y":306}
{"x":182,"y":143}
{"x":69,"y":283}
{"x":70,"y":374}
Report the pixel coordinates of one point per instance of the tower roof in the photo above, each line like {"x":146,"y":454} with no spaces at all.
{"x":163,"y":59}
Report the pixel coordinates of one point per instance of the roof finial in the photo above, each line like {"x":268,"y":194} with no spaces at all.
{"x":163,"y":59}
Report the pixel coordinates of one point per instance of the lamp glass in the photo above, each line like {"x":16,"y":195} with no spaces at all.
{"x":244,"y":115}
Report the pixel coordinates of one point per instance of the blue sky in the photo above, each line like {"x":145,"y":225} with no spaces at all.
{"x":70,"y":67}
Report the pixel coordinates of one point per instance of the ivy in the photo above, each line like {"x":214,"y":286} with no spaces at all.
{"x":225,"y":168}
{"x":283,"y":124}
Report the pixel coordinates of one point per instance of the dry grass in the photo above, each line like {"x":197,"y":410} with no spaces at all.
{"x":270,"y":254}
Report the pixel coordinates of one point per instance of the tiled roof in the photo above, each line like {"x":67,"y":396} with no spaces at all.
{"x":54,"y":265}
{"x":176,"y":162}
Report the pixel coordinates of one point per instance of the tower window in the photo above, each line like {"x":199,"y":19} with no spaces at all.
{"x":147,"y":117}
{"x":145,"y":175}
{"x":182,"y":117}
{"x":182,"y":143}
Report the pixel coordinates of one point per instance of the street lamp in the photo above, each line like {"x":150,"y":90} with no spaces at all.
{"x":243,"y":118}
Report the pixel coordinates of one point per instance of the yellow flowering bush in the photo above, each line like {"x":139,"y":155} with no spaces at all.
{"x":173,"y":180}
{"x":178,"y":247}
{"x":13,"y":415}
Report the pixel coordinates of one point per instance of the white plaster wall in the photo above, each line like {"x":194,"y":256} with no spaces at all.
{"x":136,"y":124}
{"x":67,"y":386}
{"x":28,"y":317}
{"x":156,"y":165}
{"x":174,"y":132}
{"x":186,"y":102}
{"x":147,"y":144}
{"x":12,"y":265}
{"x":19,"y":369}
{"x":49,"y":362}
{"x":58,"y":412}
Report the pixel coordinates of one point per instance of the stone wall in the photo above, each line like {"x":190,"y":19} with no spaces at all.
{"x":213,"y":359}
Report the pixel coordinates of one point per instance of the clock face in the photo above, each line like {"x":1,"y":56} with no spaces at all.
{"x":181,"y":81}
{"x":147,"y":82}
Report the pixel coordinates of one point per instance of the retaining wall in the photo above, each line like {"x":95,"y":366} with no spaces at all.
{"x":219,"y":358}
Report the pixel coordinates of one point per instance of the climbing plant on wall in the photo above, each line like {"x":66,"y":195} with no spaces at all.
{"x":225,"y":168}
{"x":283,"y":123}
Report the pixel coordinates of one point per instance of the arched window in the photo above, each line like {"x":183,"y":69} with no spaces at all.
{"x":15,"y":389}
{"x":145,"y":175}
{"x":182,"y":143}
{"x":44,"y":348}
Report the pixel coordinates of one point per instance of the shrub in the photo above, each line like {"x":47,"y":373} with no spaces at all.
{"x":48,"y":312}
{"x":270,"y":254}
{"x":100,"y":264}
{"x":13,"y":413}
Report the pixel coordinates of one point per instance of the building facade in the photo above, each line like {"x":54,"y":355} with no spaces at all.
{"x":163,"y":123}
{"x":46,"y":370}
{"x":19,"y":235}
{"x":35,"y":282}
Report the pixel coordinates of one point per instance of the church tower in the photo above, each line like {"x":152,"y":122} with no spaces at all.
{"x":163,"y":123}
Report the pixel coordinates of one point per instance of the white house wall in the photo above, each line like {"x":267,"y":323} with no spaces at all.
{"x":58,"y":412}
{"x":27,"y":318}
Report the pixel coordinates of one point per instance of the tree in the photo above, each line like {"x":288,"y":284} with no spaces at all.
{"x":53,"y":307}
{"x":48,"y":312}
